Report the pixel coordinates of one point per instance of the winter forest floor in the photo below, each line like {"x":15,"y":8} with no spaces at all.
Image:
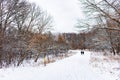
{"x":76,"y":67}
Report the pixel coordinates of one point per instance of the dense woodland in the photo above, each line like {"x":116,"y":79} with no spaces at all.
{"x":25,"y":31}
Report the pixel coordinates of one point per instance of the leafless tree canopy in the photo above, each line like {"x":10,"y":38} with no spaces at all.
{"x":19,"y":22}
{"x":105,"y":15}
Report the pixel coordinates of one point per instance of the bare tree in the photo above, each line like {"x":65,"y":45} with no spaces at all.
{"x":98,"y":8}
{"x":20,"y":21}
{"x":38,"y":19}
{"x":106,"y":15}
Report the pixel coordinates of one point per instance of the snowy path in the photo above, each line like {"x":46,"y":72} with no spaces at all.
{"x":76,"y":67}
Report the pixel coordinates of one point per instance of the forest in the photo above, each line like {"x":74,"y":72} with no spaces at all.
{"x":25,"y":31}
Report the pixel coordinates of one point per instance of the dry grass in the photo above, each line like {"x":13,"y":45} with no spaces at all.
{"x":106,"y":64}
{"x":114,"y":58}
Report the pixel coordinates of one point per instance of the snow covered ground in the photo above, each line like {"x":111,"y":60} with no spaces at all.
{"x":106,"y":64}
{"x":76,"y":67}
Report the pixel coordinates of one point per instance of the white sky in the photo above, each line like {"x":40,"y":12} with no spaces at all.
{"x":65,"y":13}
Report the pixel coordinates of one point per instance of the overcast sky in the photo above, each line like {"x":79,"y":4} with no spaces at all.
{"x":65,"y":13}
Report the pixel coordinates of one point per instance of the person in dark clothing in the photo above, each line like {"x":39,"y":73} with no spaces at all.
{"x":82,"y":52}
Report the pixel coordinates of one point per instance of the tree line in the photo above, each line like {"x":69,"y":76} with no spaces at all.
{"x":103,"y":18}
{"x":20,"y":24}
{"x":25,"y":31}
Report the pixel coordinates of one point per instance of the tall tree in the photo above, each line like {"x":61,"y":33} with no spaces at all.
{"x":105,"y":18}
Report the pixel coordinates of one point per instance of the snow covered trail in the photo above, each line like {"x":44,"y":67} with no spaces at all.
{"x":76,"y":67}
